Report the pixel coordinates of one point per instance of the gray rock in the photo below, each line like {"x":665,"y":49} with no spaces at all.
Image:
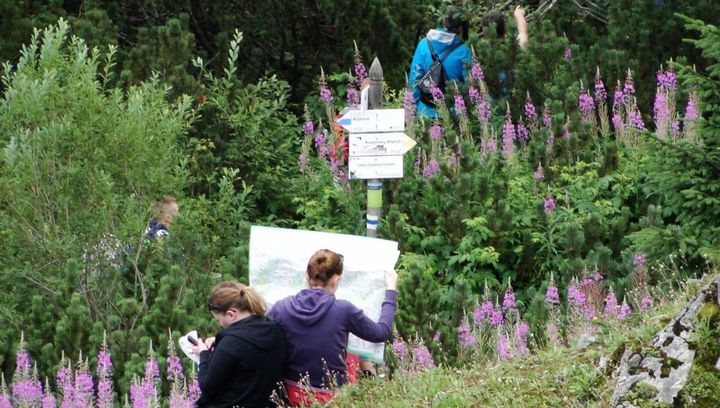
{"x":668,"y":373}
{"x":586,"y":340}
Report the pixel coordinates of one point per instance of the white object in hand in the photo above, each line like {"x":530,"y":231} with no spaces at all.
{"x":187,"y":347}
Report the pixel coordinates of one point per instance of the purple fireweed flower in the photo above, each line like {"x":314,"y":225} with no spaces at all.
{"x":27,"y":391}
{"x":645,"y":304}
{"x":639,"y":260}
{"x":509,"y":299}
{"x":539,"y":174}
{"x":586,"y":105}
{"x":409,"y":105}
{"x":635,"y":119}
{"x":423,"y":358}
{"x":431,"y":168}
{"x":566,"y":133}
{"x":104,"y":364}
{"x":326,"y":95}
{"x":460,"y":108}
{"x":661,"y":110}
{"x":567,"y":54}
{"x":675,"y":128}
{"x":488,"y":146}
{"x":105,"y":395}
{"x":476,"y":72}
{"x":174,"y":370}
{"x":629,"y":86}
{"x":320,"y":144}
{"x":137,"y":395}
{"x":360,"y":71}
{"x":611,"y":306}
{"x":667,"y":79}
{"x":549,"y":205}
{"x":691,"y":110}
{"x":65,"y":384}
{"x":436,"y":337}
{"x":576,"y":298}
{"x":521,"y":338}
{"x":474,"y":95}
{"x":437,"y":94}
{"x":600,"y":92}
{"x":399,"y":349}
{"x":193,"y":390}
{"x":465,"y":335}
{"x":547,"y":118}
{"x":552,"y":298}
{"x":522,"y":133}
{"x":48,"y":399}
{"x":152,"y":370}
{"x":483,"y":312}
{"x":352,"y":96}
{"x":624,"y":311}
{"x":483,"y":111}
{"x":508,"y":137}
{"x":618,"y":97}
{"x":617,"y":121}
{"x":503,"y":347}
{"x":530,"y":112}
{"x":496,"y":319}
{"x":83,"y":394}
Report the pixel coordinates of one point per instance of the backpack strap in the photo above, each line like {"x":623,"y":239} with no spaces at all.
{"x":447,"y":52}
{"x":450,"y":49}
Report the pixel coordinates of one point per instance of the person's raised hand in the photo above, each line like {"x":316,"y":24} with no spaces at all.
{"x":210,"y":342}
{"x":391,"y":278}
{"x":200,"y":347}
{"x":519,"y":11}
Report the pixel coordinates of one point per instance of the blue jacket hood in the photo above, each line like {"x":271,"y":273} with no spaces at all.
{"x":310,"y":305}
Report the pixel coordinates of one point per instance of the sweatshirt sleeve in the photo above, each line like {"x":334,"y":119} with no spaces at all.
{"x":217,"y":367}
{"x":362,"y":326}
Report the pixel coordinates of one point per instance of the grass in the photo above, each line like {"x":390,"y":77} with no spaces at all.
{"x":560,"y":377}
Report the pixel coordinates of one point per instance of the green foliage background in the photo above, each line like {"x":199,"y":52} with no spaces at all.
{"x":121,"y":102}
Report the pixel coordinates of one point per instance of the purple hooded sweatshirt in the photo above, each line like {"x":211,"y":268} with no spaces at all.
{"x":316,"y":328}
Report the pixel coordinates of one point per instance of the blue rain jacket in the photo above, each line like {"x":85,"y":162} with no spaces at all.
{"x":455,"y":64}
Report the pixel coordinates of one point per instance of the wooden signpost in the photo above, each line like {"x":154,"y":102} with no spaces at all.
{"x":376,"y":143}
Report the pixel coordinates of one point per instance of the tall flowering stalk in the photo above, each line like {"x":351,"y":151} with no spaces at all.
{"x":530,"y":112}
{"x":84,"y":387}
{"x":552,"y":302}
{"x":308,"y":131}
{"x":611,"y":304}
{"x":461,"y":113}
{"x":105,"y":394}
{"x":664,"y":105}
{"x":409,"y":107}
{"x":586,"y":106}
{"x":601,"y":99}
{"x":65,"y":382}
{"x":503,"y":349}
{"x":422,"y":358}
{"x":5,"y":398}
{"x":508,"y":137}
{"x":26,"y":388}
{"x":547,"y":124}
{"x":692,"y":114}
{"x":176,"y":378}
{"x":48,"y":399}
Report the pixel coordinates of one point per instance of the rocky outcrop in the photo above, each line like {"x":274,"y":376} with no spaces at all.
{"x":661,"y":368}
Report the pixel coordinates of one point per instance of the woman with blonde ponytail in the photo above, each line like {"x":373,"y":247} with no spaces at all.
{"x":243,"y":364}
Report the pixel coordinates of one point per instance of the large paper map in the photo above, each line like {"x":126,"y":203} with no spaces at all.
{"x":278,"y":258}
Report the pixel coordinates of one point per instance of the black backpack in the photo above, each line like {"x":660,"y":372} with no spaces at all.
{"x":435,"y":75}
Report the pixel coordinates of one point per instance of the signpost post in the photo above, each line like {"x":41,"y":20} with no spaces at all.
{"x":376,"y":143}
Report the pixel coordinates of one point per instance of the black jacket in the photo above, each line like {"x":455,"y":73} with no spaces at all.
{"x":244,"y":366}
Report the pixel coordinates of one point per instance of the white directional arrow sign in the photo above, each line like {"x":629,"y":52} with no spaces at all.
{"x":375,"y":167}
{"x":379,"y":144}
{"x":373,"y":120}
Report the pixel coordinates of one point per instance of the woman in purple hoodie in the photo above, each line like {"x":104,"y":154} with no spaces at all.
{"x":317,"y":326}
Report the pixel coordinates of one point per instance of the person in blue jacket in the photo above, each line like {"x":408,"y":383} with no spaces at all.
{"x":455,"y":64}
